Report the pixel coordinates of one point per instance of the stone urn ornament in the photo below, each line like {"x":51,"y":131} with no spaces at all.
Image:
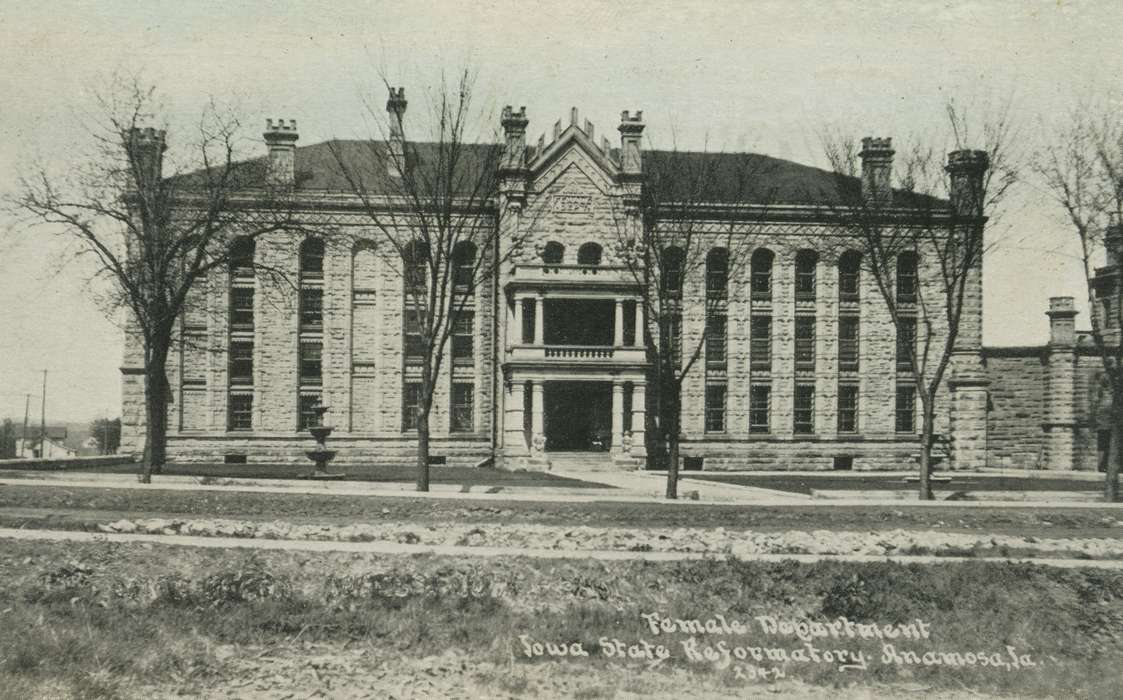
{"x":321,"y":455}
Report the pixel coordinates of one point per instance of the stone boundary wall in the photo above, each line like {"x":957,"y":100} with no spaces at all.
{"x":290,"y":449}
{"x":70,"y":463}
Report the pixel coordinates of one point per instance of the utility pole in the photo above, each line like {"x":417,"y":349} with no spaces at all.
{"x":23,"y":442}
{"x":43,"y":421}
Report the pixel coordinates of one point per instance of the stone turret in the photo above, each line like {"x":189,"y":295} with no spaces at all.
{"x":146,"y":148}
{"x":514,"y":138}
{"x":512,"y":167}
{"x":1113,"y":242}
{"x":967,"y":169}
{"x":281,"y":138}
{"x":396,"y":110}
{"x":631,"y":133}
{"x":877,"y":170}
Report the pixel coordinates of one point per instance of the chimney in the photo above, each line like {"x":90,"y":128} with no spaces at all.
{"x":967,"y":169}
{"x":1113,"y":242}
{"x":514,"y":133}
{"x":396,"y":109}
{"x":631,"y":130}
{"x":877,"y":171}
{"x":281,"y":137}
{"x":1062,"y":322}
{"x":146,"y":151}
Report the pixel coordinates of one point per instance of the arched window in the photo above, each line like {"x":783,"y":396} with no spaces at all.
{"x":761,"y":272}
{"x":906,"y":277}
{"x":415,"y":264}
{"x":241,"y":257}
{"x":464,"y":264}
{"x":312,"y":257}
{"x":553,"y":253}
{"x":849,"y":276}
{"x":717,"y":273}
{"x":589,"y":254}
{"x":673,"y":259}
{"x":805,"y":263}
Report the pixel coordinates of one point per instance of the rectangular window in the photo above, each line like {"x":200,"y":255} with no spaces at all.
{"x":463,"y":420}
{"x":241,"y":308}
{"x":412,"y":344}
{"x":463,"y":337}
{"x":804,"y":413}
{"x":528,"y":320}
{"x":761,"y":282}
{"x":906,"y":284}
{"x":906,"y":408}
{"x":311,"y":363}
{"x":805,"y":342}
{"x":848,"y":343}
{"x":715,"y":341}
{"x":760,"y":403}
{"x":760,"y":342}
{"x":906,"y":342}
{"x":311,"y":309}
{"x":674,"y":337}
{"x":848,"y":408}
{"x":805,"y":283}
{"x":715,"y":408}
{"x":630,"y":323}
{"x":307,"y":416}
{"x":411,"y":399}
{"x":241,"y":362}
{"x":848,"y":279}
{"x":240,"y":412}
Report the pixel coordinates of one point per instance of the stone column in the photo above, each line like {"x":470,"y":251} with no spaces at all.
{"x":639,"y":323}
{"x":514,"y":439}
{"x":518,"y":331}
{"x":617,"y":411}
{"x":1060,"y":414}
{"x":539,"y":328}
{"x":537,"y":429}
{"x":639,"y":419}
{"x":618,"y":328}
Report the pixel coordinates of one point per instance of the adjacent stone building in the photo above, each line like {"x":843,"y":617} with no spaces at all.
{"x":804,"y":372}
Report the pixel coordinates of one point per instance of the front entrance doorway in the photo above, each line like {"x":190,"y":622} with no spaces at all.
{"x":578,"y":416}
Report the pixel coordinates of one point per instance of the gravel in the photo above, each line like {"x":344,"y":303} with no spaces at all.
{"x":717,"y":541}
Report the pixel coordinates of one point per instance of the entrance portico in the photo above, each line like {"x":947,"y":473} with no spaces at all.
{"x":575,"y":366}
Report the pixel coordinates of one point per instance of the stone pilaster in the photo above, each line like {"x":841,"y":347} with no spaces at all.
{"x":1060,"y":415}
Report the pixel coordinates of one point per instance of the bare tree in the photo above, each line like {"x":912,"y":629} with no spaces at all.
{"x":1082,"y":170}
{"x":433,"y":205}
{"x":700,"y":216}
{"x":154,"y":235}
{"x":926,"y":218}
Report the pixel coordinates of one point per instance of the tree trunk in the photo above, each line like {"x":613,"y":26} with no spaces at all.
{"x":156,"y":414}
{"x":423,"y":450}
{"x":1114,"y":453}
{"x":926,"y":431}
{"x":674,"y":409}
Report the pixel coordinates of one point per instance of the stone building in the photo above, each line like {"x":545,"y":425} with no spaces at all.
{"x":804,"y":373}
{"x":1050,"y":405}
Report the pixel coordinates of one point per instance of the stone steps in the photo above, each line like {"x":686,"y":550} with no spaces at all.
{"x":580,"y":461}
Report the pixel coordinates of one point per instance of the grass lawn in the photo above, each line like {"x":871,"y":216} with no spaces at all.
{"x":45,"y":506}
{"x":463,"y":476}
{"x":805,"y":483}
{"x":101,"y":620}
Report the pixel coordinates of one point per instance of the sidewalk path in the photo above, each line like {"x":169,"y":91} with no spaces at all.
{"x":487,"y":552}
{"x":631,"y":487}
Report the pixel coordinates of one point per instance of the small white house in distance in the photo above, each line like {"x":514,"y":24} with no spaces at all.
{"x":54,"y":447}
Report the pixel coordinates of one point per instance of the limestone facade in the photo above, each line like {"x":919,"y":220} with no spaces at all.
{"x":808,"y":377}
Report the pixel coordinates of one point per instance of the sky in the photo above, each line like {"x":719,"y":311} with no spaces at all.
{"x":761,"y":76}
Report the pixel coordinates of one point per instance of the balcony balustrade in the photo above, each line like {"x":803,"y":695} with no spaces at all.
{"x":582,"y":354}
